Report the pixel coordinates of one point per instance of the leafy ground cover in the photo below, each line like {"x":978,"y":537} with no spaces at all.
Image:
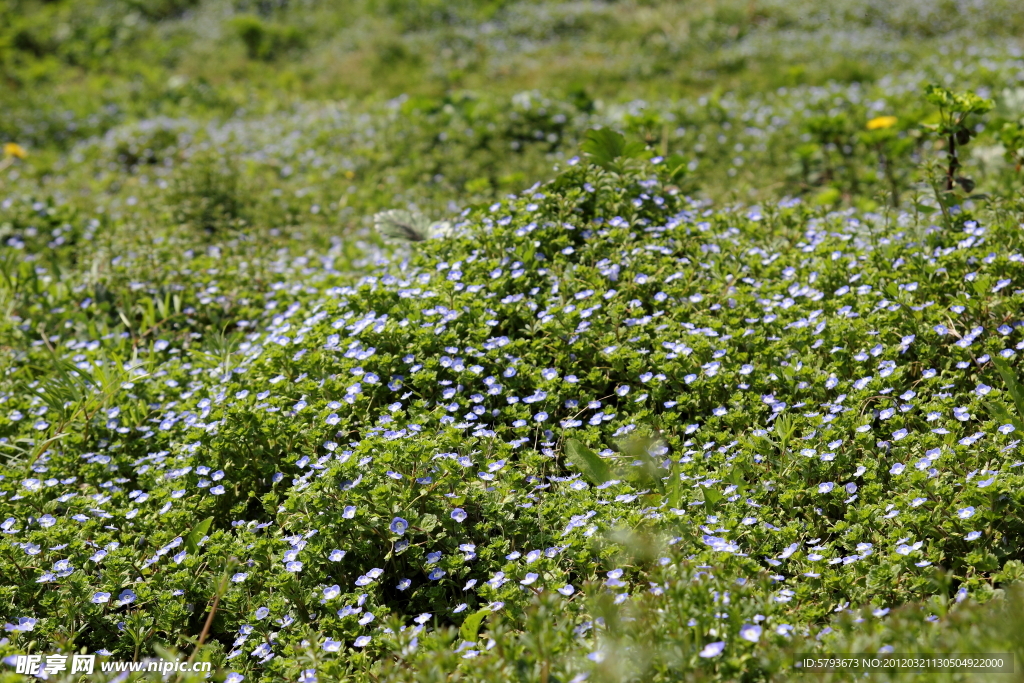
{"x":453,"y":382}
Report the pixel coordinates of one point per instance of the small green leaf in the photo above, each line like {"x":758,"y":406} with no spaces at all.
{"x":196,"y":535}
{"x":589,"y":463}
{"x":471,"y":626}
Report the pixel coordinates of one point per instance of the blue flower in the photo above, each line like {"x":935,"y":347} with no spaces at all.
{"x":750,"y":632}
{"x":399,"y":526}
{"x":712,"y":649}
{"x":459,"y":515}
{"x":100,"y":598}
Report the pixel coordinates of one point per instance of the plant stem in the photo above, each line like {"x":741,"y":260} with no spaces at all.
{"x":206,"y":626}
{"x":954,"y":163}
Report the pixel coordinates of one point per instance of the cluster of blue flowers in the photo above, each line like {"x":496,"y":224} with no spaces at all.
{"x":403,"y":432}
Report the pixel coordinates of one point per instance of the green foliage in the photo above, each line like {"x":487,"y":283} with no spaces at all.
{"x":206,"y":195}
{"x":159,"y":10}
{"x":283,"y":441}
{"x":265,"y":41}
{"x":1011,"y":135}
{"x":960,"y":104}
{"x":1016,"y":392}
{"x":605,"y":147}
{"x":954,"y":110}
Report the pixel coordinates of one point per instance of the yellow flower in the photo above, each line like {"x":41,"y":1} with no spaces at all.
{"x":13,"y":149}
{"x":882,"y":122}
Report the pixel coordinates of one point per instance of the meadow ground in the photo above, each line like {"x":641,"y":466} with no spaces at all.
{"x":511,"y":341}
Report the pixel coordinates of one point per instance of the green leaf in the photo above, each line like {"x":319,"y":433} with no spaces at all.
{"x":589,"y":463}
{"x":1002,"y":414}
{"x":471,"y":626}
{"x":427,"y":522}
{"x":1014,"y":387}
{"x":711,"y":496}
{"x":736,"y":477}
{"x":604,"y":146}
{"x":937,"y":95}
{"x":966,"y":102}
{"x":196,"y":535}
{"x":981,"y":285}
